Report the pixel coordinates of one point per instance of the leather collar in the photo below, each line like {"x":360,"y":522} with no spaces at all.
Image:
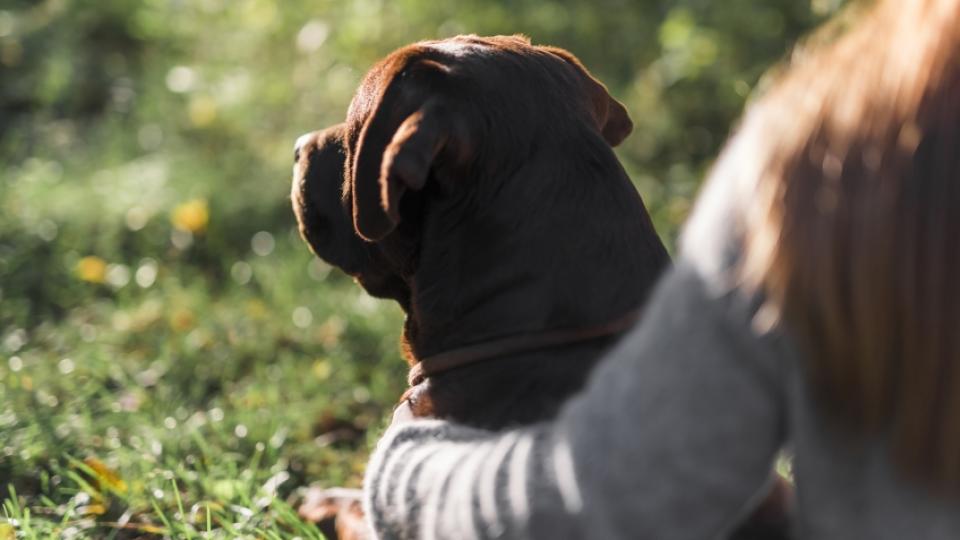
{"x":489,"y":350}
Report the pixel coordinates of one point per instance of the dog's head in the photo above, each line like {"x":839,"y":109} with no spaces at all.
{"x":436,"y":121}
{"x":324,"y":219}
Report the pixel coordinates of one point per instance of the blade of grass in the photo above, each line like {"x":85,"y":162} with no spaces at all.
{"x":161,"y":515}
{"x":176,"y":496}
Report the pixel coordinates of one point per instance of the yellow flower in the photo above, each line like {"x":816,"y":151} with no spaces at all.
{"x":106,"y":478}
{"x":92,"y":269}
{"x":7,"y":532}
{"x":95,"y":509}
{"x":322,"y":369}
{"x":191,"y":216}
{"x":202,"y":111}
{"x":148,"y":528}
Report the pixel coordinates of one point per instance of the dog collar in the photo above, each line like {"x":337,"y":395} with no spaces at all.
{"x":489,"y":350}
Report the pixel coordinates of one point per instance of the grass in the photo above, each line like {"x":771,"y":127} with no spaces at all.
{"x":189,"y":409}
{"x":180,"y":375}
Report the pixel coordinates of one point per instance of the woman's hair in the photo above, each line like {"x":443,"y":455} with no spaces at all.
{"x":853,"y":230}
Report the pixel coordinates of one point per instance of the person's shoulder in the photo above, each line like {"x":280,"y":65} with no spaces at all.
{"x":712,"y":237}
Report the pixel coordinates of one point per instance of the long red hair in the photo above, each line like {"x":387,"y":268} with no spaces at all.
{"x":853,"y":228}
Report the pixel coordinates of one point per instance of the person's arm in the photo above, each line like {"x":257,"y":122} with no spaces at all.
{"x":673,"y":436}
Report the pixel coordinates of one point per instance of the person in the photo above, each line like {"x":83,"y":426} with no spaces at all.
{"x":813,"y":307}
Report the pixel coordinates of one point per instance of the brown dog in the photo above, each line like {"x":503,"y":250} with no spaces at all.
{"x":474,"y":182}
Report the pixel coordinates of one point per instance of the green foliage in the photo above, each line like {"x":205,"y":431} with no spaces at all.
{"x":172,"y":360}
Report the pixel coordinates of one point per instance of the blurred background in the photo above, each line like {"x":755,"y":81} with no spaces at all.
{"x":173,"y":361}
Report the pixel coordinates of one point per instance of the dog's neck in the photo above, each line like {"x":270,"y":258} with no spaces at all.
{"x":518,"y":344}
{"x":579,"y":262}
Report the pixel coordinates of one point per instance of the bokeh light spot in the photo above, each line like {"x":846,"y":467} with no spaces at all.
{"x":302,"y":317}
{"x":241,"y":272}
{"x":318,"y":270}
{"x":118,"y":275}
{"x":66,"y":366}
{"x":262,"y":243}
{"x":15,"y":340}
{"x":136,"y":218}
{"x":312,"y":36}
{"x":181,"y":79}
{"x":146,"y":273}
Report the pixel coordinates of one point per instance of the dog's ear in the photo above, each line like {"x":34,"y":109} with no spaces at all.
{"x":611,"y":116}
{"x":397,"y":148}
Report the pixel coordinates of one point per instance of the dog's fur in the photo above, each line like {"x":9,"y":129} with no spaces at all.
{"x":474,"y":183}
